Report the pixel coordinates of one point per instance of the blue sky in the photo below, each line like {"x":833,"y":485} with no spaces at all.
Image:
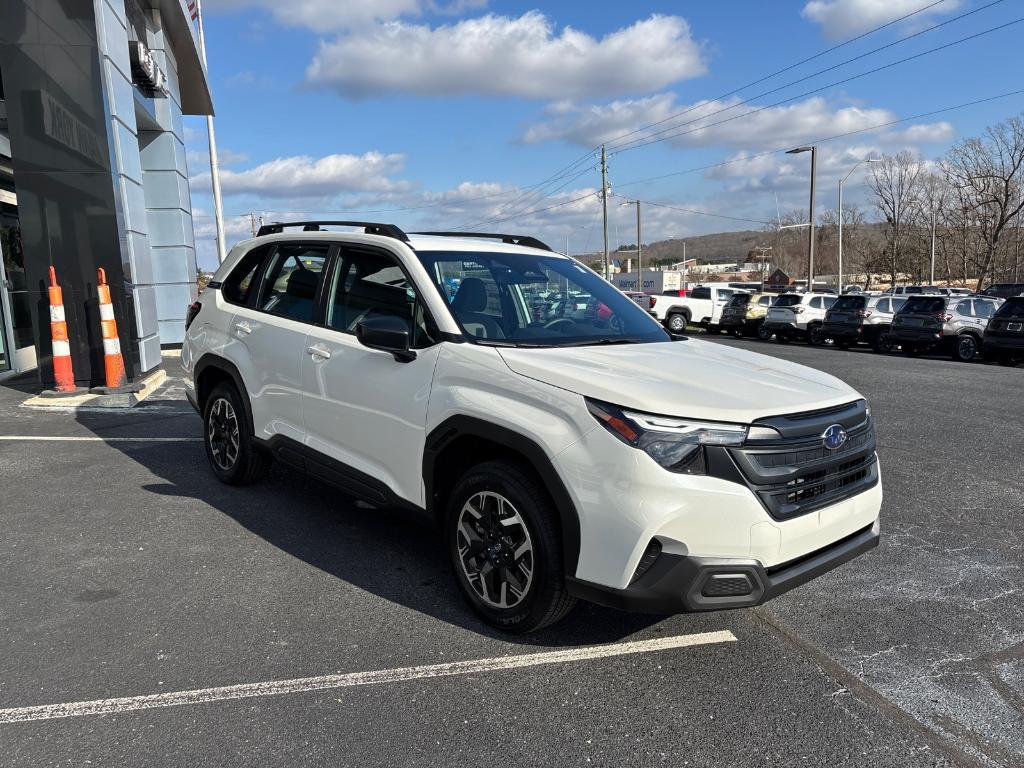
{"x":443,"y":113}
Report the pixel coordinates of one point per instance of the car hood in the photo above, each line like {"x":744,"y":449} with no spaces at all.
{"x":689,"y":378}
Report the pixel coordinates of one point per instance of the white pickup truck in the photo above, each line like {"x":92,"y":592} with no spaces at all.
{"x":702,"y":305}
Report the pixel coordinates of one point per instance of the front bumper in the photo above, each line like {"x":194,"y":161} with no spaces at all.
{"x":684,"y":583}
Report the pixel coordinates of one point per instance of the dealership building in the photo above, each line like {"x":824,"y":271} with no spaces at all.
{"x":92,"y":174}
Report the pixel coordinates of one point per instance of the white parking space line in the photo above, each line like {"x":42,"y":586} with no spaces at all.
{"x":59,"y":439}
{"x":305,"y":684}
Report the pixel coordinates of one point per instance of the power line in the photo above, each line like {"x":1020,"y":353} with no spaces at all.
{"x":498,"y":217}
{"x":693,"y":210}
{"x":817,"y":90}
{"x":541,"y":192}
{"x":619,"y":146}
{"x":823,"y":140}
{"x":785,"y":69}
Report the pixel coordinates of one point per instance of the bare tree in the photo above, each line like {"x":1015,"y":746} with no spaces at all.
{"x":987,"y":175}
{"x":895,"y":181}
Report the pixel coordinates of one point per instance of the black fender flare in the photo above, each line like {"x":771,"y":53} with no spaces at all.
{"x":460,"y":425}
{"x":210,"y":360}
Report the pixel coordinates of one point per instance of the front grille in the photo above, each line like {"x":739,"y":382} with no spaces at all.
{"x":797,"y":474}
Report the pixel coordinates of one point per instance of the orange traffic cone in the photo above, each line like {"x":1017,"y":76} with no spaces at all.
{"x":62,"y":369}
{"x":113,"y":363}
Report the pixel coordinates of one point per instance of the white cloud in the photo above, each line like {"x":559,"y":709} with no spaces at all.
{"x":502,"y":56}
{"x":846,"y":18}
{"x":327,"y":15}
{"x":924,"y":133}
{"x":773,"y":126}
{"x":307,"y":177}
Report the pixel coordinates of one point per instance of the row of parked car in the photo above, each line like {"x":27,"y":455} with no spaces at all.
{"x":912,"y":319}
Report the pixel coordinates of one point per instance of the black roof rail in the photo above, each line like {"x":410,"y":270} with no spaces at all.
{"x":524,"y":240}
{"x":369,"y":227}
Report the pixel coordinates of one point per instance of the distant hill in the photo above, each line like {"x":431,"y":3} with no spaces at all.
{"x":721,"y":246}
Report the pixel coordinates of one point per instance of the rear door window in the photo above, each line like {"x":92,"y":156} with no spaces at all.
{"x":292,"y":280}
{"x":700,"y":293}
{"x":965,"y":308}
{"x":789,"y":300}
{"x":883,"y":306}
{"x":984,"y":309}
{"x":765,"y":301}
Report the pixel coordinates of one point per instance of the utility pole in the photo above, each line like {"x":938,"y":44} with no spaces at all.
{"x":604,"y":209}
{"x":252,"y":223}
{"x":931,"y":281}
{"x":218,"y":210}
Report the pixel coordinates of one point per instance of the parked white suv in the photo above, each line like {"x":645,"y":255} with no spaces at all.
{"x":799,"y":316}
{"x":566,"y":448}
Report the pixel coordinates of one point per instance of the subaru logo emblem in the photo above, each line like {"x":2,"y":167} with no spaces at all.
{"x":834,"y":437}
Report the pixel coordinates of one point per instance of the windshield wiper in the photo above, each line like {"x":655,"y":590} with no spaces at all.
{"x":604,"y":340}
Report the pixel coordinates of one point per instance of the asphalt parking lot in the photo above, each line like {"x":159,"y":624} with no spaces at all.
{"x":248,"y":616}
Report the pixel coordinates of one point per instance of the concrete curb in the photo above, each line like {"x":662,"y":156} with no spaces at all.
{"x":150,"y":384}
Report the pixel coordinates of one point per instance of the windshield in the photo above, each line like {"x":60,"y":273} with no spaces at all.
{"x":1012,"y":308}
{"x":511,"y":299}
{"x":923,"y":304}
{"x":789,"y":300}
{"x":847,"y":303}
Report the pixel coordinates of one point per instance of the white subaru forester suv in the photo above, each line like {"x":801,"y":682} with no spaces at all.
{"x":566,"y":444}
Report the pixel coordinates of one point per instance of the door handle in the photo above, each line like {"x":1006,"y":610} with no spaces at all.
{"x":319,"y":352}
{"x":243,"y":328}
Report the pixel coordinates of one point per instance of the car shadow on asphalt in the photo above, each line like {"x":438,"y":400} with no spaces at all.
{"x":393,"y":553}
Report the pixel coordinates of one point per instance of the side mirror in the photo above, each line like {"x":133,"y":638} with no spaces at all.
{"x":388,"y":334}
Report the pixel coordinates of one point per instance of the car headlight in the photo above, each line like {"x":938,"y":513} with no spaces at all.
{"x":676,"y":444}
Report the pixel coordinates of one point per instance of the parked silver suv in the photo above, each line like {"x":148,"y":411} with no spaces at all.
{"x":955,"y":324}
{"x":860,"y":317}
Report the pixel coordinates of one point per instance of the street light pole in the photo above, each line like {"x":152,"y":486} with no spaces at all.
{"x":810,"y":230}
{"x":841,"y":182}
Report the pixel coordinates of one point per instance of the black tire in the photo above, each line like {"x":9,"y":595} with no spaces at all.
{"x":881,"y":344}
{"x":545,"y":599}
{"x":737,"y":332}
{"x":965,"y":348}
{"x":764,"y":334}
{"x":1009,"y":359}
{"x":225,"y":427}
{"x":676,"y":322}
{"x":816,"y":335}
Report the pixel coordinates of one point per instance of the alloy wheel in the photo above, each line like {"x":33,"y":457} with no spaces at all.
{"x":966,"y":348}
{"x":495,"y":550}
{"x":223,"y":434}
